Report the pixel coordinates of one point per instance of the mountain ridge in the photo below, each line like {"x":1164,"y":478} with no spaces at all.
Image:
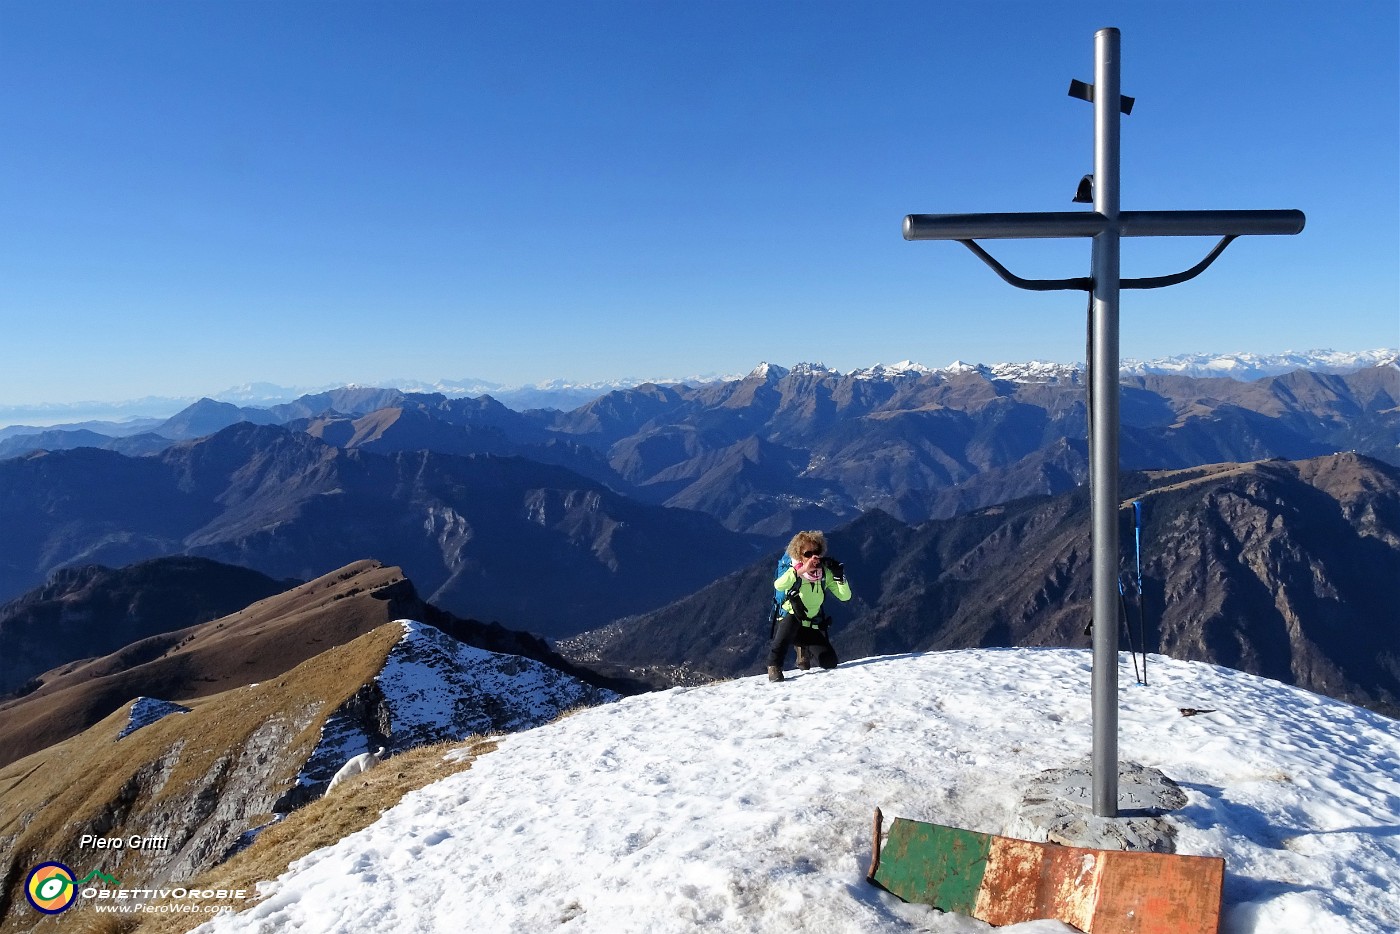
{"x":570,"y":394}
{"x":208,"y":772}
{"x":256,"y":643}
{"x":1276,"y":568}
{"x":473,"y":531}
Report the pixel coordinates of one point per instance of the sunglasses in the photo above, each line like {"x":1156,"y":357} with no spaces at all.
{"x":811,"y":554}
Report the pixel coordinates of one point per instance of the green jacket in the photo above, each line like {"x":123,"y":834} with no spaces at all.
{"x":812,"y":593}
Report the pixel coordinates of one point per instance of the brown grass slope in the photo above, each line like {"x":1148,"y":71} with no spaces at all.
{"x":255,"y":644}
{"x":199,"y":779}
{"x":92,"y":610}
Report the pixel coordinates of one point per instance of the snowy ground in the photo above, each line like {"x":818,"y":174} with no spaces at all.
{"x":746,"y":806}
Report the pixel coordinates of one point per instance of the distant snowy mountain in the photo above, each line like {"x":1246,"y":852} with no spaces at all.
{"x":1248,"y":366}
{"x":1239,"y":366}
{"x":747,"y":806}
{"x":1244,"y":367}
{"x":566,"y":395}
{"x":885,"y":371}
{"x":1032,"y":371}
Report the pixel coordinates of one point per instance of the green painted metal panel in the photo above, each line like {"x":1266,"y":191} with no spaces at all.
{"x":933,"y":865}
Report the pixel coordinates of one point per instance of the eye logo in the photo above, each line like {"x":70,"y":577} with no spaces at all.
{"x":50,"y":888}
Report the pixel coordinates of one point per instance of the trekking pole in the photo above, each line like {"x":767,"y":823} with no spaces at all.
{"x":1141,"y":597}
{"x":1128,"y":629}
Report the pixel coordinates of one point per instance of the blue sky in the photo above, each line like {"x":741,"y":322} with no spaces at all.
{"x":195,"y":195}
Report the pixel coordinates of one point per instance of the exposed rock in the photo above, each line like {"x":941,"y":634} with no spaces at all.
{"x":1057,"y":807}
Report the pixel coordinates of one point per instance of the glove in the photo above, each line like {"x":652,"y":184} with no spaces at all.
{"x":837,"y":569}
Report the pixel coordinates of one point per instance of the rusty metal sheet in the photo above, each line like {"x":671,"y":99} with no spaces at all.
{"x":1002,"y":880}
{"x":1026,"y":881}
{"x":1159,"y":893}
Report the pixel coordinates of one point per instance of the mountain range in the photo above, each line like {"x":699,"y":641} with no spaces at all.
{"x":490,"y":537}
{"x":561,"y":522}
{"x":138,"y":415}
{"x":1284,"y":569}
{"x":778,"y":450}
{"x":207,"y":617}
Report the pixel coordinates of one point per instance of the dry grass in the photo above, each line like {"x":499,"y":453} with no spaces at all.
{"x":50,"y":798}
{"x":353,"y":806}
{"x":102,"y":924}
{"x":258,"y":644}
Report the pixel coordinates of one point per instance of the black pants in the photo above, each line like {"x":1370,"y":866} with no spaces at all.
{"x":789,"y":632}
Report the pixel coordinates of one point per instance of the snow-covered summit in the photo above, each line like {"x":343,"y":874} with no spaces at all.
{"x":813,"y":369}
{"x":746,"y":806}
{"x":768,"y":371}
{"x":886,"y":371}
{"x":1032,"y":371}
{"x":1240,"y":366}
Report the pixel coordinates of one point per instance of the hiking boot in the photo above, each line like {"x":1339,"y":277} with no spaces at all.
{"x":775,"y":673}
{"x":804,"y":661}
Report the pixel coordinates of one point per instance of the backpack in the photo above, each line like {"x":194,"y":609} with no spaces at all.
{"x":782,"y":596}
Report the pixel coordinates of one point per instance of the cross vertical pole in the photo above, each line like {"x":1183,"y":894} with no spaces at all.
{"x":1103,"y":421}
{"x":1107,"y":225}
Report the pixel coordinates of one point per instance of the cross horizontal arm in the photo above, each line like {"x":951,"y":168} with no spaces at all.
{"x":1003,"y":226}
{"x":1209,"y":223}
{"x":1048,"y":224}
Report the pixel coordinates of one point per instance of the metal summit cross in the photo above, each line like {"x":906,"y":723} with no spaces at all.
{"x":1106,"y":224}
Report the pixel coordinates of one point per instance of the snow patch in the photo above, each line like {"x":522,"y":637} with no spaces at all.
{"x":147,"y":710}
{"x":434,"y":688}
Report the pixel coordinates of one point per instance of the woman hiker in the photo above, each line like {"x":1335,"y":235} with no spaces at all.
{"x":800,"y":618}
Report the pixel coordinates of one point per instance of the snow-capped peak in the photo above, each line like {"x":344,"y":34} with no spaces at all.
{"x":813,"y":369}
{"x":768,"y":371}
{"x":892,"y":370}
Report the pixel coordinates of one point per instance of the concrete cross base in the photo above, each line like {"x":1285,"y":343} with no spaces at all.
{"x":1057,"y":807}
